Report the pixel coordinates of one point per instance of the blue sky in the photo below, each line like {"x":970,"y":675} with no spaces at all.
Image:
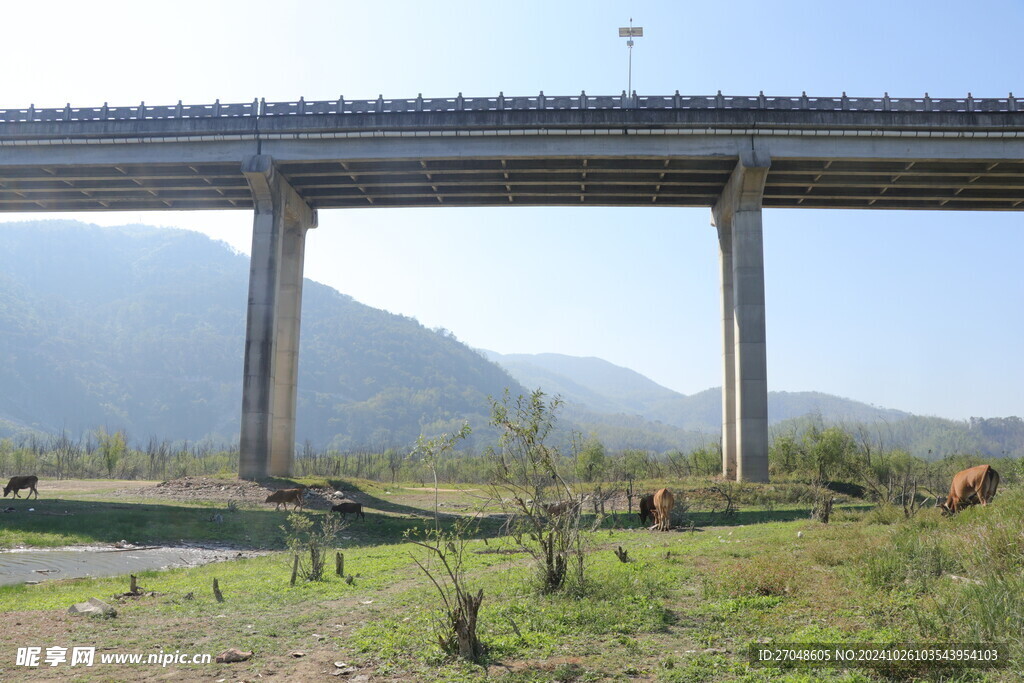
{"x":919,"y":311}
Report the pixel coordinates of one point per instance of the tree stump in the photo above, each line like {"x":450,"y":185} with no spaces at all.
{"x":464,"y":624}
{"x":822,"y":509}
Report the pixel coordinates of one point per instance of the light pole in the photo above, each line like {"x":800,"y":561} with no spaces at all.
{"x":630,"y":32}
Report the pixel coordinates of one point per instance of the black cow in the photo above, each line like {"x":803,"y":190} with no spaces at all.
{"x":646,"y":509}
{"x":18,"y":483}
{"x":347,"y":507}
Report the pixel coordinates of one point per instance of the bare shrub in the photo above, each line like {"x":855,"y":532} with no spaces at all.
{"x":545,"y":509}
{"x":457,"y":632}
{"x":303,"y":535}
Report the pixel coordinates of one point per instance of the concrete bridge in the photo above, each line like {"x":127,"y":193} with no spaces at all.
{"x":735,"y":155}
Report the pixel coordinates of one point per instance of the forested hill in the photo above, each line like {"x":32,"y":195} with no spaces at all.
{"x":142,"y":329}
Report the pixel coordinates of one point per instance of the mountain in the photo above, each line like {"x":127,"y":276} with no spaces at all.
{"x":597,"y":386}
{"x":592,"y":383}
{"x":142,"y":329}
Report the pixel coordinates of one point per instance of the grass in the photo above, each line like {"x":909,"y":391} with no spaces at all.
{"x":686,"y":607}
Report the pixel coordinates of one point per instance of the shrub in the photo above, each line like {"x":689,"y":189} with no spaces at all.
{"x":759,"y":576}
{"x":301,"y":535}
{"x":884,"y":513}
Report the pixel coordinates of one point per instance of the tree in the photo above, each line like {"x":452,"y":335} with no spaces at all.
{"x":458,"y":628}
{"x":829,"y":453}
{"x":592,"y":460}
{"x":112,"y":449}
{"x":544,"y":508}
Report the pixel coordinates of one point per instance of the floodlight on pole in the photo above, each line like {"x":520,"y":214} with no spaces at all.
{"x":630,"y":32}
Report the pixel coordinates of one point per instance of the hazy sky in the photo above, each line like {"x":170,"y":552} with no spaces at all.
{"x":919,"y":311}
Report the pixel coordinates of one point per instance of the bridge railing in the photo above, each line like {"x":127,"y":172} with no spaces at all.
{"x":381,"y":105}
{"x":141,"y":111}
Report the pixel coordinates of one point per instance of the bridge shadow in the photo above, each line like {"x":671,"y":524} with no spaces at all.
{"x":217,"y":524}
{"x":76,"y":522}
{"x":697,"y":521}
{"x":398,"y":518}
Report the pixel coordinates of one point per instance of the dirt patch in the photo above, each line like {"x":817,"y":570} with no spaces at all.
{"x":50,"y":488}
{"x":238,"y":491}
{"x":430,"y":489}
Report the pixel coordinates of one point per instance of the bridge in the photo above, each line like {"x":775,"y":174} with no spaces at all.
{"x":736,"y":155}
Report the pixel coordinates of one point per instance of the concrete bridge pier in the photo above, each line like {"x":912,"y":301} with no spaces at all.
{"x":270,"y":375}
{"x":737,"y":215}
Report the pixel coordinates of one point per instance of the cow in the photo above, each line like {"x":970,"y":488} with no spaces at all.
{"x":663,"y":504}
{"x":560,"y":508}
{"x":973,"y":485}
{"x":18,"y":483}
{"x":346,"y":507}
{"x":286,"y":496}
{"x":646,"y":508}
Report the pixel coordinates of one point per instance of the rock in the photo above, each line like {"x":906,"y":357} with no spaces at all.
{"x":233,"y":655}
{"x":93,"y":607}
{"x":344,"y":671}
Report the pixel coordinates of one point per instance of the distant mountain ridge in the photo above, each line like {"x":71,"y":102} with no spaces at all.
{"x":597,"y":386}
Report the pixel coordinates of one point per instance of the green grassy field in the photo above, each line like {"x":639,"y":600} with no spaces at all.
{"x":687,"y":605}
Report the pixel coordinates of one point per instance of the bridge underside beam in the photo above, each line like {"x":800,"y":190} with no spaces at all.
{"x":852,"y":169}
{"x":267,"y":442}
{"x":737,"y":215}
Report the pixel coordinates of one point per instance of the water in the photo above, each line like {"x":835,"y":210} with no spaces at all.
{"x":21,"y":566}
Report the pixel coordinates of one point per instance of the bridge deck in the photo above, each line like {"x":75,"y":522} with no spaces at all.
{"x":904,"y":154}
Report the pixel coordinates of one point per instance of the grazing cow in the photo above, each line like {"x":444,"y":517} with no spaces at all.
{"x":562,"y":507}
{"x":973,"y":485}
{"x":646,"y":508}
{"x":286,"y":496}
{"x":347,"y":507}
{"x":663,"y":504}
{"x":18,"y":483}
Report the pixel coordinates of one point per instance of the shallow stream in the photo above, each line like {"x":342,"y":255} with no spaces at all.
{"x":35,"y":565}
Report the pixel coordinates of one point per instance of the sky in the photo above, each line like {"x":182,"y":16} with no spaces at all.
{"x":919,"y":311}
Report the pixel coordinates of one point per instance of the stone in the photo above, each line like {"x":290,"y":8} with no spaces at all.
{"x":233,"y":655}
{"x":93,"y":607}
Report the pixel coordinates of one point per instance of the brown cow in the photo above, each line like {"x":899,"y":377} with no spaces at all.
{"x":346,"y":507}
{"x":664,"y":501}
{"x":560,"y":508}
{"x":286,"y":496}
{"x":18,"y":483}
{"x":973,"y":485}
{"x":646,"y":508}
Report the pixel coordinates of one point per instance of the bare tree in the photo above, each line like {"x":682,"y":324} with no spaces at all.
{"x":545,"y":508}
{"x":457,"y":635}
